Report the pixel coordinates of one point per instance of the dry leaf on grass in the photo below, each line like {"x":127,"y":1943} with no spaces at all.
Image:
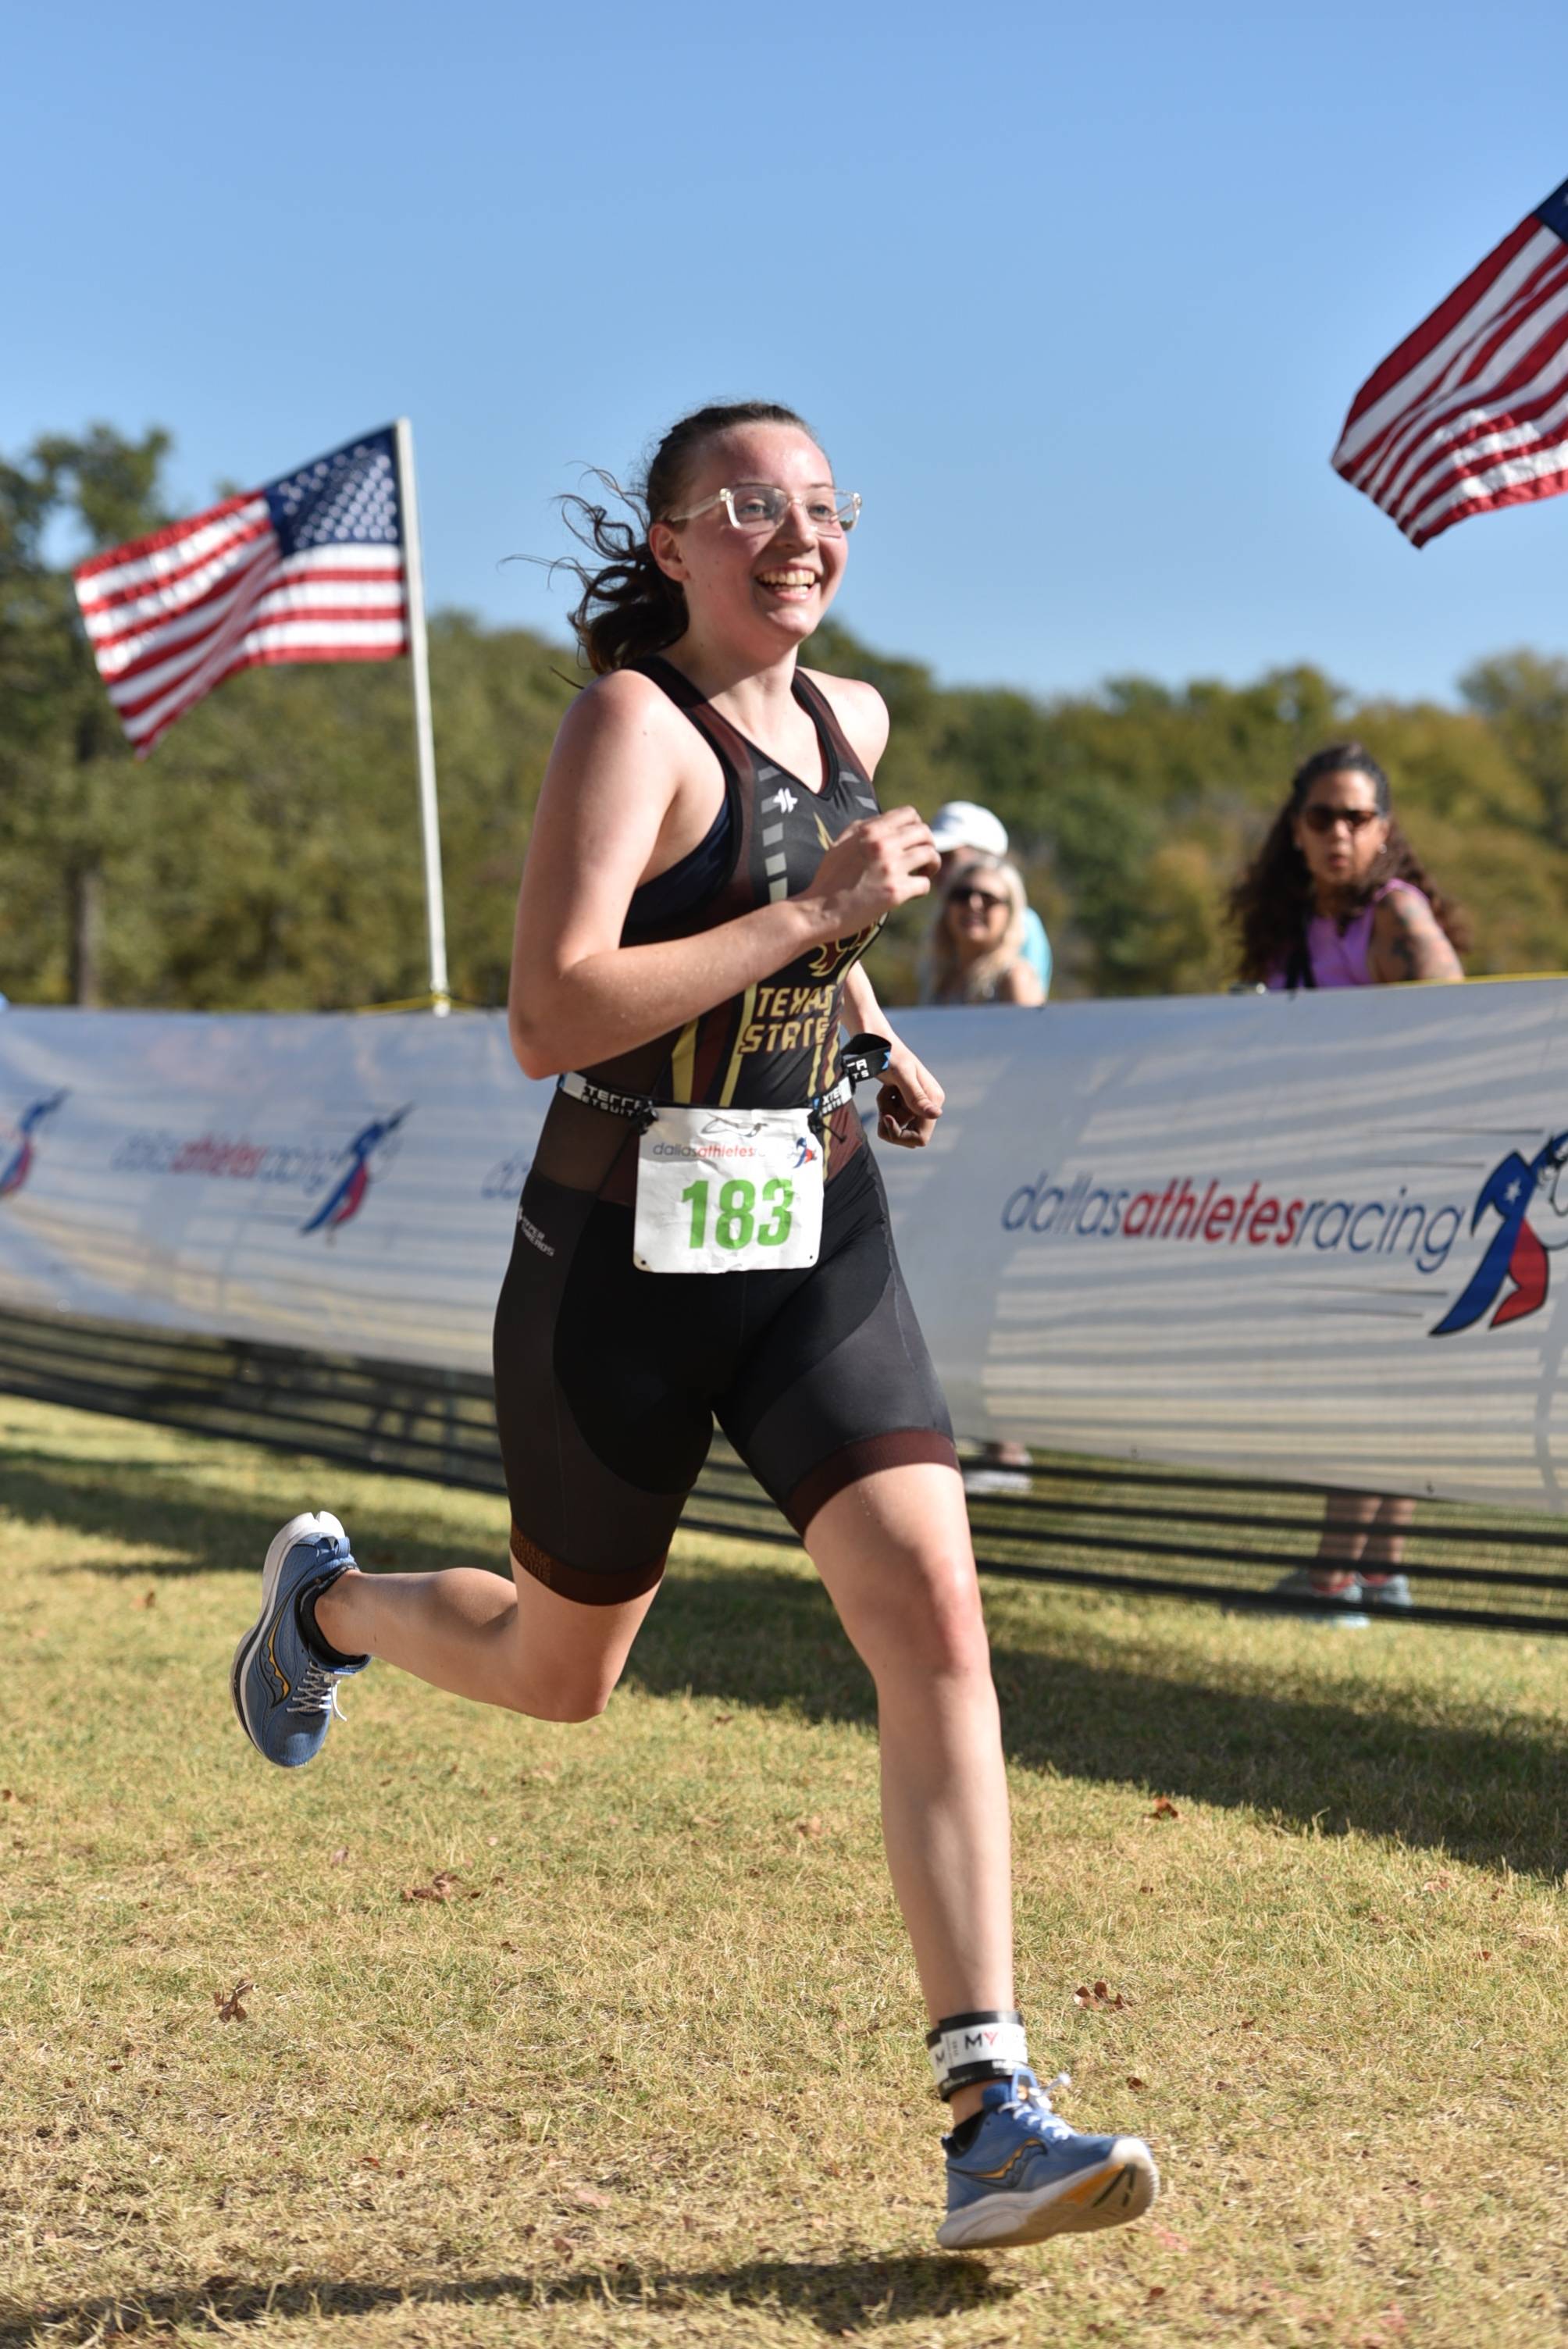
{"x":563,"y":2244}
{"x":1100,"y":1996}
{"x":229,"y":2009}
{"x":340,"y":1858}
{"x":1134,"y":2082}
{"x":590,"y":2198}
{"x":1164,"y":1808}
{"x":445,"y":1885}
{"x":812,"y":1827}
{"x":149,"y":1599}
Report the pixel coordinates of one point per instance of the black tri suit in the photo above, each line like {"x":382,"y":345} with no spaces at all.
{"x":608,"y":1379}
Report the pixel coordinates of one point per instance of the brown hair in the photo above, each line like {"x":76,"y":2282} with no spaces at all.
{"x":1272,"y":902}
{"x":629,"y":606}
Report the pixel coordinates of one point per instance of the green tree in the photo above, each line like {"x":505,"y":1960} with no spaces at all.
{"x":66,"y":776}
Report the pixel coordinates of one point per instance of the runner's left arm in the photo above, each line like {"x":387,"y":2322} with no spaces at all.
{"x":909,"y":1099}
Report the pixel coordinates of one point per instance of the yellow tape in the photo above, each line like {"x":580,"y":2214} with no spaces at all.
{"x":419,"y":1003}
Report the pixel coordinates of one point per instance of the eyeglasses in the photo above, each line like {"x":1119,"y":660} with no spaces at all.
{"x":759,"y":506}
{"x":975,"y":897}
{"x":1327,"y":819}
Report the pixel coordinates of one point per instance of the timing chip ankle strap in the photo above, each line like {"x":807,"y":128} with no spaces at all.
{"x":966,"y":2049}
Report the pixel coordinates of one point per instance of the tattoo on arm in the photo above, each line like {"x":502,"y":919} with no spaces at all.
{"x":1414,"y":944}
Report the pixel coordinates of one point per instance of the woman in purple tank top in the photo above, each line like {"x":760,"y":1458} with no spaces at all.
{"x":1336,"y":897}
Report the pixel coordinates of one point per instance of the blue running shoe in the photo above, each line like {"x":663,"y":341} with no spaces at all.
{"x":1025,"y":2174}
{"x":284,"y":1695}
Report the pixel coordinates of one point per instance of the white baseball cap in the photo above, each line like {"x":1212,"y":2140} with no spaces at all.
{"x":962,"y":825}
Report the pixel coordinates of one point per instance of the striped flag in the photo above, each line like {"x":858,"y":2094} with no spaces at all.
{"x":1471,"y":411}
{"x":309,"y":568}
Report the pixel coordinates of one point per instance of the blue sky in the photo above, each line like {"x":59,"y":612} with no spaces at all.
{"x":1075,"y":299}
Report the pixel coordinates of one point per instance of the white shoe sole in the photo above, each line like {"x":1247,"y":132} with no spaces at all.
{"x":1123,"y":2186}
{"x":308,"y":1522}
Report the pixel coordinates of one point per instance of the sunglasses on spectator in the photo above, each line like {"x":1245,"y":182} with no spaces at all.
{"x":1327,"y":819}
{"x":975,"y":897}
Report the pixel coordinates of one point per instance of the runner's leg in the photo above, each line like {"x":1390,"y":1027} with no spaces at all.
{"x":518,"y":1645}
{"x":894,"y":1552}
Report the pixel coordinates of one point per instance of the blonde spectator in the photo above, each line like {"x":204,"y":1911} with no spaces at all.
{"x":977,"y":947}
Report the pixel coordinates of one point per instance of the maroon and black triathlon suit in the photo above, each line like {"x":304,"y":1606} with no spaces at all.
{"x":608,"y":1380}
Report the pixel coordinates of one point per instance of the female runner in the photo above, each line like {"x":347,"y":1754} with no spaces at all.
{"x":706,"y":866}
{"x":1337,"y":898}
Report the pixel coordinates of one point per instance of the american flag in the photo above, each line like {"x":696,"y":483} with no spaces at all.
{"x":1471,"y":411}
{"x":308,"y":568}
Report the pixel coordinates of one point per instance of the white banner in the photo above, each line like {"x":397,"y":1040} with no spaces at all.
{"x":1311,"y":1238}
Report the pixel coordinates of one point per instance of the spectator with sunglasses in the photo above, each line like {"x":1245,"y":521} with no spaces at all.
{"x":977,"y":947}
{"x":1337,"y":898}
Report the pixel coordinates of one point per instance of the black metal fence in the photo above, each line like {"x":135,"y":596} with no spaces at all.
{"x":1097,"y":1524}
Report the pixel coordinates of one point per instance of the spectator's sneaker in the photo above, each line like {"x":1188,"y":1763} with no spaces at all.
{"x":1023,"y":2174}
{"x":1392,"y":1593}
{"x":1341,"y":1608}
{"x":986,"y":1478}
{"x":285,"y":1694}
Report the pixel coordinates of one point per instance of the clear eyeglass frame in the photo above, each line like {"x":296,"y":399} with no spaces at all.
{"x":835,"y":513}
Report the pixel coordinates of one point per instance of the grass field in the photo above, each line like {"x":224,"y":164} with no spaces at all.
{"x":650,"y":2072}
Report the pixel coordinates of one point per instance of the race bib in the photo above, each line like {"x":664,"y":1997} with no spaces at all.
{"x":728,"y":1190}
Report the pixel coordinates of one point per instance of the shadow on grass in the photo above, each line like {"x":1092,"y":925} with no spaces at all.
{"x":840,"y":2296}
{"x":1422,"y":1766}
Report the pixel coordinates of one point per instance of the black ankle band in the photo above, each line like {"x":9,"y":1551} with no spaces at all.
{"x":966,"y":2049}
{"x":315,"y":1639}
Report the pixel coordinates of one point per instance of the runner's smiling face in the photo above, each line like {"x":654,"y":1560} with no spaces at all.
{"x":1339,"y":829}
{"x":769,"y":588}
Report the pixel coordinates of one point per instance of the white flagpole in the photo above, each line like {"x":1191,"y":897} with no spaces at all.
{"x":424,"y":733}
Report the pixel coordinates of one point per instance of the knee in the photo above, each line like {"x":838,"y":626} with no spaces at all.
{"x":939,"y":1629}
{"x":569,"y":1697}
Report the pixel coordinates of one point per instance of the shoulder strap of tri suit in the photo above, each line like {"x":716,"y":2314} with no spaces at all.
{"x":669,"y":679}
{"x":731,"y":749}
{"x":811,"y":697}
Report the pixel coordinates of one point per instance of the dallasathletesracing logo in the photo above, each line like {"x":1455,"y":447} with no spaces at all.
{"x":1516,"y":1253}
{"x":291,"y":1172}
{"x":17,"y":1151}
{"x":1510,"y":1283}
